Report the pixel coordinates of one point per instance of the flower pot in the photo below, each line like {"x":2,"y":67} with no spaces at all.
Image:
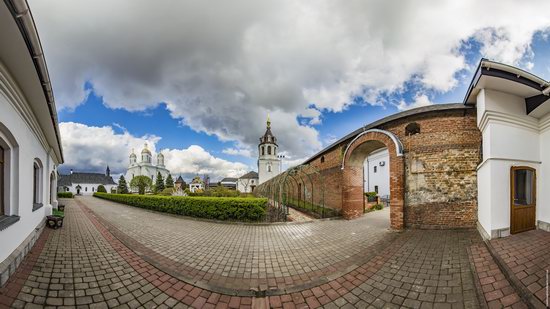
{"x":54,"y":222}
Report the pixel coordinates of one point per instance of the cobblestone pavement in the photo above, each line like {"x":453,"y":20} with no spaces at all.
{"x":526,"y":257}
{"x":223,"y":257}
{"x":89,"y":263}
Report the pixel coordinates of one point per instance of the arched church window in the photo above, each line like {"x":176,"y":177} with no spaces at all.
{"x":322,"y":159}
{"x":263,"y":151}
{"x":269,"y":168}
{"x":274,"y":150}
{"x":268,"y":150}
{"x":37,"y":184}
{"x":412,"y":129}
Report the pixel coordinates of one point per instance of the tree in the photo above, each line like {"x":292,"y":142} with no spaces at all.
{"x":141,"y":184}
{"x":159,"y":184}
{"x":122,"y":187}
{"x":101,"y":188}
{"x":169,"y":181}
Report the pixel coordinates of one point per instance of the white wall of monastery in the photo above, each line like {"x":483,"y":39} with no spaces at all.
{"x":31,"y":146}
{"x":510,"y":138}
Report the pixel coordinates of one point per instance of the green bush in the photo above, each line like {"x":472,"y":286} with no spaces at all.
{"x":219,"y":208}
{"x":101,"y":188}
{"x":65,"y":195}
{"x":378,"y":207}
{"x":167,"y":192}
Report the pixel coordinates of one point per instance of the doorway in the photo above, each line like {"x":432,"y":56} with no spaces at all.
{"x":523,"y":182}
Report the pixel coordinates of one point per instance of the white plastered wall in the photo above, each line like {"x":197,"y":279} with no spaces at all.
{"x":510,"y":138}
{"x":19,"y":191}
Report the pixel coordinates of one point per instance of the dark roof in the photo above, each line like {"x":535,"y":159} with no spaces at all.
{"x":229,"y":179}
{"x":397,"y":116}
{"x":67,"y":180}
{"x":268,"y":136}
{"x":179,"y":180}
{"x":249,"y":175}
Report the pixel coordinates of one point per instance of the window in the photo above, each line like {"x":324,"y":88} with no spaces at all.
{"x":93,"y":189}
{"x":268,"y":150}
{"x":375,"y":169}
{"x":263,"y":151}
{"x":1,"y":181}
{"x":322,"y":159}
{"x":274,"y":150}
{"x":269,"y":168}
{"x":412,"y":129}
{"x":86,"y":189}
{"x":376,"y":189}
{"x":524,"y":192}
{"x":37,"y":185}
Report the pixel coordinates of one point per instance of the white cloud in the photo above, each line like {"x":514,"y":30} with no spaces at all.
{"x":419,"y":101}
{"x":223,"y":66}
{"x":89,"y":148}
{"x":238,"y":152}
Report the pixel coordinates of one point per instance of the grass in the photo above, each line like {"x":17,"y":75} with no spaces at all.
{"x":312,"y":209}
{"x":58,"y":213}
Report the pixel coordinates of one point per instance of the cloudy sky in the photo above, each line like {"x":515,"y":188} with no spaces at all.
{"x":197,"y":79}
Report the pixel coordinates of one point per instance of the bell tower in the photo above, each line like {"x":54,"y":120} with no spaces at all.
{"x":269,"y":165}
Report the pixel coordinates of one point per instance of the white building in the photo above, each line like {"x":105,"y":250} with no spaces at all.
{"x":229,"y":183}
{"x":30,"y":147}
{"x":247,"y":182}
{"x":145,"y":167}
{"x":513,"y":114}
{"x":85,"y":183}
{"x":197,"y":184}
{"x":377,"y":175}
{"x":269,"y":165}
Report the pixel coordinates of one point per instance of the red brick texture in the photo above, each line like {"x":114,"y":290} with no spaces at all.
{"x":353,"y":199}
{"x":433,"y":185}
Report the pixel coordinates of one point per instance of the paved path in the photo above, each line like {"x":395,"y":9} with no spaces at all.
{"x":110,"y":255}
{"x":246,"y":258}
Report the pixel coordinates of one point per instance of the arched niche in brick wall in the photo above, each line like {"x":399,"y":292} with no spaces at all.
{"x":352,"y":171}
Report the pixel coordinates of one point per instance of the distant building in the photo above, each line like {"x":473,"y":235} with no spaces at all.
{"x":229,"y":183}
{"x":85,"y":183}
{"x":180,"y":183}
{"x":377,"y":172}
{"x":269,"y":165}
{"x":145,"y":166}
{"x":247,"y":182}
{"x":196,"y":184}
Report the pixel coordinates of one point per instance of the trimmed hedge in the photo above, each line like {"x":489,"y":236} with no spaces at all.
{"x":65,"y":195}
{"x":218,"y":208}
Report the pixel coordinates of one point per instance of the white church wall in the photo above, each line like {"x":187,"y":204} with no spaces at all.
{"x":19,"y":178}
{"x":543,"y":196}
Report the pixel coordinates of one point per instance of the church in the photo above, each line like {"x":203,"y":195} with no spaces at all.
{"x":269,"y":164}
{"x":145,"y":166}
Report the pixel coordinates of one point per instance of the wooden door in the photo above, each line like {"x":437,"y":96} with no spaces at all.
{"x":523,"y":198}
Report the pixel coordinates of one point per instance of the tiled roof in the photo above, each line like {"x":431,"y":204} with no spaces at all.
{"x":229,"y":179}
{"x":94,"y":178}
{"x":249,"y":175}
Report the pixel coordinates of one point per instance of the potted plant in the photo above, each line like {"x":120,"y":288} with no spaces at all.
{"x":56,"y":219}
{"x":371,"y":196}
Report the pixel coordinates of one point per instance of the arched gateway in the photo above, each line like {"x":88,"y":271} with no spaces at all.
{"x":352,"y":174}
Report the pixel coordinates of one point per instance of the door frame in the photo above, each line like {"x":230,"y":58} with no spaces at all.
{"x":533,"y":205}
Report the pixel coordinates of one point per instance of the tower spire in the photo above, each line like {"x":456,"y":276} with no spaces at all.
{"x":268,"y":122}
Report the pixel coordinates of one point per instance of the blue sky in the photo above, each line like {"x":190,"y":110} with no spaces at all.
{"x":201,"y":92}
{"x":175,"y":134}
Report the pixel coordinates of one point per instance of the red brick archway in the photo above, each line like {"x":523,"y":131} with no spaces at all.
{"x":352,"y":171}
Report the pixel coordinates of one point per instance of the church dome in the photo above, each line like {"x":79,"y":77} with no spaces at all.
{"x":145,"y":150}
{"x":268,"y":137}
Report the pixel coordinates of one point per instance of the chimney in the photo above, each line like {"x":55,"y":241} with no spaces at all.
{"x":71,"y":171}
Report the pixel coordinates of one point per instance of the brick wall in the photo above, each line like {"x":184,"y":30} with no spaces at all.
{"x":439,"y":187}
